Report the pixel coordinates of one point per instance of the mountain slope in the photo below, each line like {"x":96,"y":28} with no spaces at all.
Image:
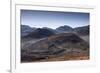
{"x":56,"y":46}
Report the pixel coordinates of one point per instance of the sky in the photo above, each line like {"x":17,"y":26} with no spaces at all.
{"x":53,"y":19}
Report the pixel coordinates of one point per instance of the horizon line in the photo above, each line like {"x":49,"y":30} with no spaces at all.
{"x":54,"y":28}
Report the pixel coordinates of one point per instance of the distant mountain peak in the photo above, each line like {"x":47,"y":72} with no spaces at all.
{"x":40,"y":33}
{"x":25,"y":30}
{"x":64,"y":28}
{"x":84,"y":30}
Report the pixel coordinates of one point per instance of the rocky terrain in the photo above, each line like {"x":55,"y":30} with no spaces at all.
{"x":60,"y":44}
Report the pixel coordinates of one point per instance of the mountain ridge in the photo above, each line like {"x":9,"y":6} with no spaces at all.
{"x":28,"y":31}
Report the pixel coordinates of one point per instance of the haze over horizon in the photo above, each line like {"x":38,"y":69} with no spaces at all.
{"x":53,"y":19}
